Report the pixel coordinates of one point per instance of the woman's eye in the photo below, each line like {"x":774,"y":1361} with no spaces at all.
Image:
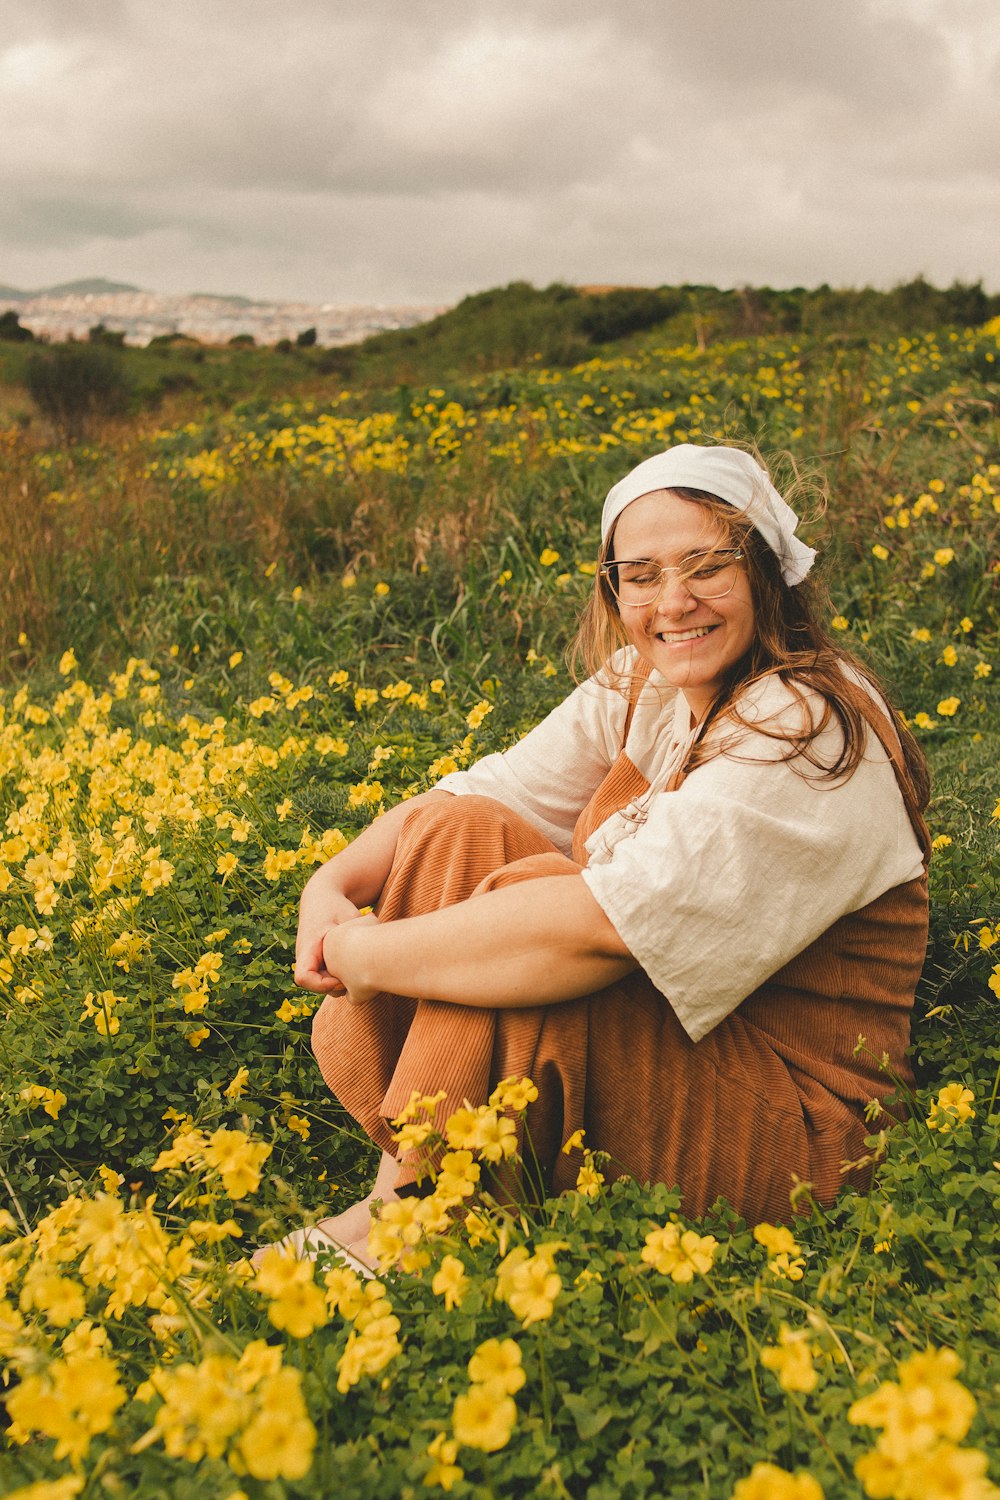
{"x":640,"y":576}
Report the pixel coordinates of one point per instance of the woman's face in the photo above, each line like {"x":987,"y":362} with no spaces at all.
{"x":691,"y":642}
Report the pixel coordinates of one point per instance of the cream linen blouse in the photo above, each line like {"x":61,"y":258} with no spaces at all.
{"x":717,"y":885}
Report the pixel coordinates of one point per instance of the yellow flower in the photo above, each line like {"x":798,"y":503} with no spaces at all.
{"x":948,"y":707}
{"x":589,"y":1179}
{"x":966,"y":625}
{"x":22,"y":939}
{"x":783,"y":1252}
{"x":776,"y":1239}
{"x":840,"y":622}
{"x":457,"y":1175}
{"x":949,"y":656}
{"x":880,"y":552}
{"x":59,"y":1299}
{"x":158,"y":872}
{"x":953,"y":1106}
{"x":381,"y":589}
{"x":769,"y":1482}
{"x":497,"y":1363}
{"x":920,"y":633}
{"x":444,"y":1471}
{"x":68,"y":662}
{"x":528,"y":1283}
{"x":493,"y":1136}
{"x":573,"y":1142}
{"x":236,"y":1085}
{"x":237,"y":1159}
{"x":235,"y":658}
{"x":278,"y":1443}
{"x":514,"y":1093}
{"x":679,"y":1254}
{"x":72,"y":1400}
{"x":944,"y":555}
{"x":791,"y":1360}
{"x":982,"y":669}
{"x":483,"y":1418}
{"x":942,"y":841}
{"x":301,"y":1308}
{"x":451,"y":1282}
{"x":945,"y":1472}
{"x":476,"y":715}
{"x":344,"y":1291}
{"x":547,"y":557}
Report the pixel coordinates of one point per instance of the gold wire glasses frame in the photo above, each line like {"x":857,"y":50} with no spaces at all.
{"x":705,"y":575}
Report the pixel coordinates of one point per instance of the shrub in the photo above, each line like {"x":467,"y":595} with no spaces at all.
{"x":11,"y":330}
{"x":75,"y":384}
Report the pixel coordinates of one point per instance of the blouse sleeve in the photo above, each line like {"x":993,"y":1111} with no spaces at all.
{"x":748,"y":862}
{"x":551,"y":774}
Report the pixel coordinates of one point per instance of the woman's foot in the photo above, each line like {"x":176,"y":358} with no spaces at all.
{"x":347,"y":1230}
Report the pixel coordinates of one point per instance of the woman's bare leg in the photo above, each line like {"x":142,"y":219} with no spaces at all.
{"x":349,"y":1229}
{"x":352,"y":1225}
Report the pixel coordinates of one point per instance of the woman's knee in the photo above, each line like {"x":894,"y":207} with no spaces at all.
{"x":457,"y":814}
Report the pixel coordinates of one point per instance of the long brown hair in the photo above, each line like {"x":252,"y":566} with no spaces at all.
{"x":789,"y":642}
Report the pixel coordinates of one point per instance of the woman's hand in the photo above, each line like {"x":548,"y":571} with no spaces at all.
{"x":311,"y":972}
{"x":343,"y":946}
{"x":351,"y":879}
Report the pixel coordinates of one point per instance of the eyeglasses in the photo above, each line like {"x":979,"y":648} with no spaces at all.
{"x":705,"y":575}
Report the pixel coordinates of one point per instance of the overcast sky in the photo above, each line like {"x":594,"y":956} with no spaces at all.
{"x":417,"y":150}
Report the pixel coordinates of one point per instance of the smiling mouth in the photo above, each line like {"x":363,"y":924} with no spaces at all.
{"x":676,"y":637}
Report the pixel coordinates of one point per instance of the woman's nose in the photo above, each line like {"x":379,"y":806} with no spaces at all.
{"x":674,"y":598}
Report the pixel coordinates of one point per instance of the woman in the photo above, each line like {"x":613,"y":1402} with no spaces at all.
{"x":677,"y":904}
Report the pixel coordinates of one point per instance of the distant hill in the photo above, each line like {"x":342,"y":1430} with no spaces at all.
{"x":225,"y":297}
{"x":92,"y":286}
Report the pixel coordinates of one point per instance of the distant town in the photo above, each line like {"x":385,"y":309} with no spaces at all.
{"x":70,"y":311}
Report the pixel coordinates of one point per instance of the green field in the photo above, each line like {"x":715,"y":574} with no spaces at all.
{"x":273,"y":593}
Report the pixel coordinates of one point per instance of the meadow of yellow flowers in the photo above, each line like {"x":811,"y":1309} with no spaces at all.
{"x":317,"y":609}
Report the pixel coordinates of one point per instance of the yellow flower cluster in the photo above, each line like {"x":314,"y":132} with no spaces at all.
{"x":590,"y":409}
{"x":923,"y":1419}
{"x":237,"y":1159}
{"x":484,"y":1416}
{"x":770,"y":1482}
{"x":530,"y":1284}
{"x":249,"y":1410}
{"x":679,"y":1253}
{"x":73,"y":1400}
{"x":784,"y":1256}
{"x":373,"y":1341}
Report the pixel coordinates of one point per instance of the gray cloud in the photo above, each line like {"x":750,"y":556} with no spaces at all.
{"x":389,"y":151}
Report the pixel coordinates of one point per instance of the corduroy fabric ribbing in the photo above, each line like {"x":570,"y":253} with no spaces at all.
{"x":775,"y":1094}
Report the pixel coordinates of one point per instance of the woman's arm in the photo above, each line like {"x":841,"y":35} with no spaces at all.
{"x":534,"y":943}
{"x":351,"y":879}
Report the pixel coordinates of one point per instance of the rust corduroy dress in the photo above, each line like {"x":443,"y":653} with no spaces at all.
{"x":774,"y":1094}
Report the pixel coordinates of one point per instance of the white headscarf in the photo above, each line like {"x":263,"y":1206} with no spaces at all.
{"x":734,"y":477}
